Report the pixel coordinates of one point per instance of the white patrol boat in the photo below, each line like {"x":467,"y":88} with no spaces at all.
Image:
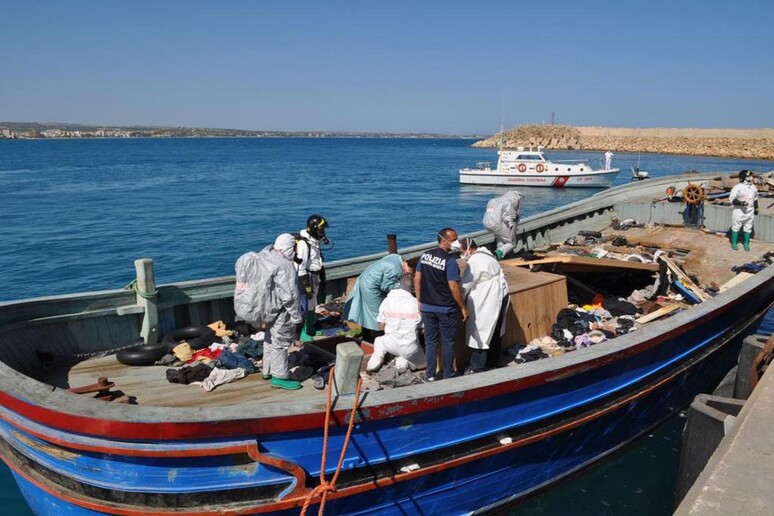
{"x":531,"y":168}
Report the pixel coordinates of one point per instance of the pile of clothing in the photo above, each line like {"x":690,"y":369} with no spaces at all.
{"x":580,"y":327}
{"x":329,"y":323}
{"x":231,"y":357}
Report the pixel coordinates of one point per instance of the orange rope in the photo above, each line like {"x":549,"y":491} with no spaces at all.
{"x":326,"y":487}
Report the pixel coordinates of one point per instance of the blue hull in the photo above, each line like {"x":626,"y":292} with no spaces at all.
{"x":685,"y":369}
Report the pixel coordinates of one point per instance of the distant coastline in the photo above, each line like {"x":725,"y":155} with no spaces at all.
{"x":40,"y":130}
{"x":729,"y":143}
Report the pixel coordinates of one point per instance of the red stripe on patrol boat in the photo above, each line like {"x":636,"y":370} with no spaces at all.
{"x":560,"y":181}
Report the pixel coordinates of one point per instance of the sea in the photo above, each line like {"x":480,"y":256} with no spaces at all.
{"x":75,"y":214}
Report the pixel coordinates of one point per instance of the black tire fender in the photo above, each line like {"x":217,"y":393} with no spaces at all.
{"x":198,"y":337}
{"x":143,"y":355}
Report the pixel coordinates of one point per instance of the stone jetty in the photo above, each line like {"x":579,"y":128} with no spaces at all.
{"x":731,"y":143}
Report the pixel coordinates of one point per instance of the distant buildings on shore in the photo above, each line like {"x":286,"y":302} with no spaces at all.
{"x":19,"y":130}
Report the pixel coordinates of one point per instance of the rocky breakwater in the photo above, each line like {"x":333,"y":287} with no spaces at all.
{"x":731,"y":143}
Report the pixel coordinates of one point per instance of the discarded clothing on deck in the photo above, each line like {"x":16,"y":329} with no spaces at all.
{"x":207,"y":354}
{"x":250,"y":347}
{"x":188,"y":374}
{"x":229,"y":360}
{"x":528,"y":353}
{"x":220,"y":329}
{"x":183,"y":352}
{"x":220,"y":376}
{"x":390,"y":377}
{"x":169,"y":360}
{"x":617,"y":306}
{"x":748,"y":267}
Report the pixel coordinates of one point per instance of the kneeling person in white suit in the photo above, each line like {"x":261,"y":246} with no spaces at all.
{"x":399,"y":317}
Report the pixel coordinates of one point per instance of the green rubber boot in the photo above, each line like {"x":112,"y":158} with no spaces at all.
{"x":499,"y":254}
{"x":307,"y":331}
{"x":288,"y":385}
{"x":735,"y":240}
{"x":746,"y":241}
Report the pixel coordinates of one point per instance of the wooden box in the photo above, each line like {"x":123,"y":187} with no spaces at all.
{"x":536,"y":298}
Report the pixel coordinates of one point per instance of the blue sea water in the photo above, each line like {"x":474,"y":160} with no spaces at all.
{"x":75,"y":214}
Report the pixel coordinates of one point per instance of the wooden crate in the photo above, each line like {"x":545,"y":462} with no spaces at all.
{"x":536,"y":298}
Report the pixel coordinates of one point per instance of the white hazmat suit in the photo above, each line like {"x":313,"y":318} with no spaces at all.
{"x":267,"y":293}
{"x":484,"y":287}
{"x":311,"y":263}
{"x":742,"y":216}
{"x":400,"y":314}
{"x":502,"y":220}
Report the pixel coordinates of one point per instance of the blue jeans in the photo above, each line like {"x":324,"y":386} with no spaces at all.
{"x":443,"y":325}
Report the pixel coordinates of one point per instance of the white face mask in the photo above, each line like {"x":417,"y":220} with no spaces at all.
{"x":455,"y":246}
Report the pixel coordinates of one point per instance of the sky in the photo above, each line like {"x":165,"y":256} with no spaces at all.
{"x":390,"y":66}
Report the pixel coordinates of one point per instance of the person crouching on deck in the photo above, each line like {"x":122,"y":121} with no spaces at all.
{"x":371,"y":288}
{"x":399,"y":317}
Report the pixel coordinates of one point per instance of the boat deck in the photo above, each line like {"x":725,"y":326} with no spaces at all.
{"x":149,"y":386}
{"x":704,"y":255}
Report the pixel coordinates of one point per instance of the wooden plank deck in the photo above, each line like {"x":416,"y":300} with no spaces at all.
{"x":149,"y":386}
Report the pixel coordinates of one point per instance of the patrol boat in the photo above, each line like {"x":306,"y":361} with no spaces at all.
{"x":528,"y":167}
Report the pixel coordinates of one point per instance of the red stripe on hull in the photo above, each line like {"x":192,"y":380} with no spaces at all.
{"x":133,"y":431}
{"x":298,"y":497}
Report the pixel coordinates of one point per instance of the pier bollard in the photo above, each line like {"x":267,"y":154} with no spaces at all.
{"x":147,"y":298}
{"x":709,"y":419}
{"x":751,"y":346}
{"x":349,"y":356}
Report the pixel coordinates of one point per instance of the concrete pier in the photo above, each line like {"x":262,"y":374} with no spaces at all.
{"x":737,"y":478}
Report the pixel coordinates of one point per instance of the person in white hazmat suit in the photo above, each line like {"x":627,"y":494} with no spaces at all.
{"x":311,"y":272}
{"x":502,"y":220}
{"x":485,"y":291}
{"x":371,"y":288}
{"x":744,"y":198}
{"x":399,"y":317}
{"x":267,"y":293}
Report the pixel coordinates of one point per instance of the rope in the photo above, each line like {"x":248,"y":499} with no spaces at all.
{"x":325,"y":487}
{"x":145,"y":295}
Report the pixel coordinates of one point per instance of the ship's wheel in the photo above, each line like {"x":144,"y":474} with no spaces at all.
{"x":693,"y":194}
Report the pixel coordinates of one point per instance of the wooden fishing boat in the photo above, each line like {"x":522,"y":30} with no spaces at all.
{"x":454,"y":446}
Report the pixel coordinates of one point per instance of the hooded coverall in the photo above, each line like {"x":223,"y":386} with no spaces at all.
{"x":502,"y":219}
{"x":274,"y":270}
{"x":400,"y":314}
{"x":371,"y":288}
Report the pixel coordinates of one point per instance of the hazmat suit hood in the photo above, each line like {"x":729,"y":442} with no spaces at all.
{"x":285,"y":244}
{"x":515,"y":197}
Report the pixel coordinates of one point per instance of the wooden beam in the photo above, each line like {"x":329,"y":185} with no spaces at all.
{"x":590,"y":263}
{"x":658,"y":313}
{"x":735,"y":280}
{"x":683,"y":277}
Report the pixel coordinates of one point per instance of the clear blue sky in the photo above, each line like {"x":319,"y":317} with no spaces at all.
{"x":403,"y":66}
